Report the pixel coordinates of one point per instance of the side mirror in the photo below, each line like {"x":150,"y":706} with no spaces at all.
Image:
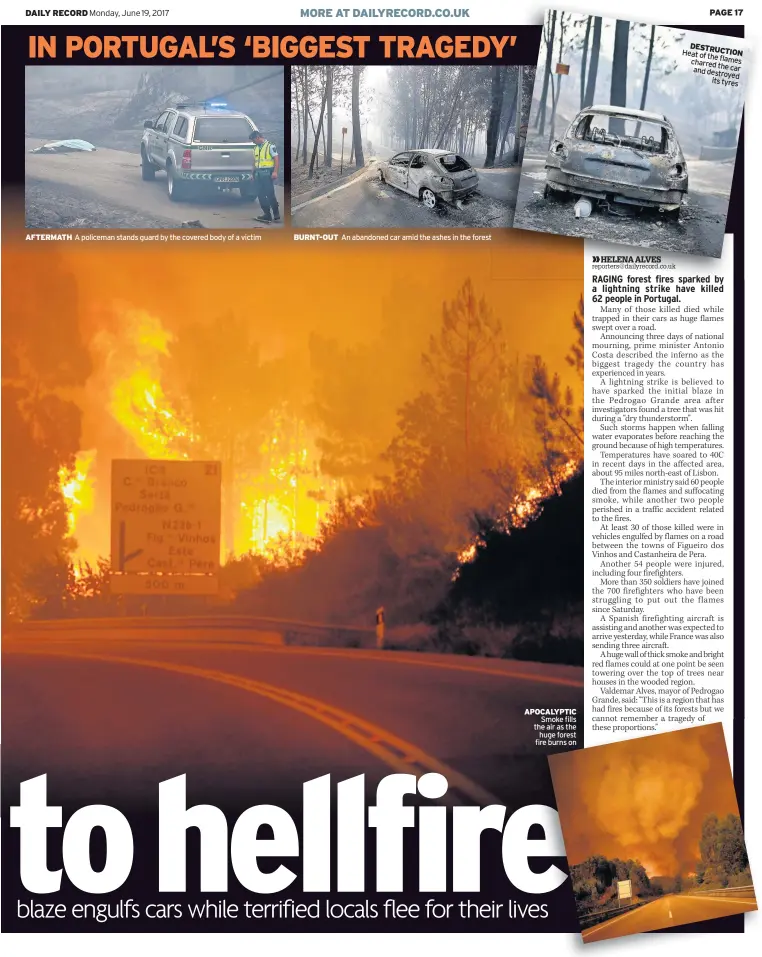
{"x":147,"y":124}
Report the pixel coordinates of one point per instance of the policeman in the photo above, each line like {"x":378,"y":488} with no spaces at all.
{"x":266,"y":168}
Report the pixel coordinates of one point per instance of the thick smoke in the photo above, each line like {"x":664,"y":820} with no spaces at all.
{"x":644,"y":799}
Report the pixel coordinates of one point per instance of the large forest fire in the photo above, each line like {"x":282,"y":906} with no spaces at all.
{"x":274,"y":496}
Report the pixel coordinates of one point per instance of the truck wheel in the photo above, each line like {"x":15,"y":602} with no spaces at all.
{"x":147,"y":169}
{"x":175,"y":187}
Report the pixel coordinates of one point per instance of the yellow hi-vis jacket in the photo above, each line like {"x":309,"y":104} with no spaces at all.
{"x":263,"y":157}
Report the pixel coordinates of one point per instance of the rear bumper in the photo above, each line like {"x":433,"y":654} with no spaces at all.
{"x":659,"y":197}
{"x":215,"y":176}
{"x":452,"y":196}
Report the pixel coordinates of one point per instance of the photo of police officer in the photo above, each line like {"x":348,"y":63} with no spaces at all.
{"x":266,"y":169}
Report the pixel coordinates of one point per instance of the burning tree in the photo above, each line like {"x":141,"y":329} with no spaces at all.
{"x":41,"y":429}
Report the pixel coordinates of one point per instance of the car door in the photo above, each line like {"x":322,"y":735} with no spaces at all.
{"x":162,"y":137}
{"x":154,"y":137}
{"x":398,"y":170}
{"x":416,"y":175}
{"x":177,"y":131}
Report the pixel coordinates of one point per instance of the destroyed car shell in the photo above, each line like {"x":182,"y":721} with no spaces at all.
{"x":433,"y":176}
{"x":620,"y":166}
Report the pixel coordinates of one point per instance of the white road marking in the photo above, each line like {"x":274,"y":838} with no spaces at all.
{"x":749,"y":901}
{"x":397,"y":753}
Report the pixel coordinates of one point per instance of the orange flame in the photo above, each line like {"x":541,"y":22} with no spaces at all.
{"x":136,"y":398}
{"x":77,"y":488}
{"x":278,"y":496}
{"x":523,"y":507}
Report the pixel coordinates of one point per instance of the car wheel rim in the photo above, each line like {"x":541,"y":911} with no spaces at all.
{"x":429,"y":199}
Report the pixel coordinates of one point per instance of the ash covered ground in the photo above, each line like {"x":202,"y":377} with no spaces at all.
{"x":700,"y":230}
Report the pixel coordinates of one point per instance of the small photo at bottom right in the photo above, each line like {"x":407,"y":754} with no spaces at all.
{"x":652,"y":832}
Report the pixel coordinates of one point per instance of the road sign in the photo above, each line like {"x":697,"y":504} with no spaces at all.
{"x":624,"y":889}
{"x":164,"y":584}
{"x":562,"y":68}
{"x":165,"y":526}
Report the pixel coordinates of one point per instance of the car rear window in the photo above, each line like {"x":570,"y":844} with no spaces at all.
{"x":454,"y":163}
{"x":221,"y":129}
{"x":624,"y":131}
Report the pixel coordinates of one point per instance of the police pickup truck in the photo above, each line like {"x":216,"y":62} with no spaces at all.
{"x":199,"y":146}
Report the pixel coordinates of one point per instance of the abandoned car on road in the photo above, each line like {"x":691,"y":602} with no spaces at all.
{"x":615,"y":155}
{"x":435,"y":177}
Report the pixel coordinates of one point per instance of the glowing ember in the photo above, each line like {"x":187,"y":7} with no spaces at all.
{"x":77,"y":488}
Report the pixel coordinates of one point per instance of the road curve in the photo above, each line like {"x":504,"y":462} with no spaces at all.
{"x":113,"y":176}
{"x":132,"y":709}
{"x":669,"y":911}
{"x":366,"y":202}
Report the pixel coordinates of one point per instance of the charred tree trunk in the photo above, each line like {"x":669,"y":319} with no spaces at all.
{"x":305,"y":94}
{"x":329,"y":118}
{"x":495,"y":112}
{"x":317,"y":134}
{"x":298,"y":113}
{"x":546,"y":75}
{"x":584,"y":63}
{"x":356,"y":128}
{"x":557,"y":88}
{"x":647,"y":76}
{"x":519,"y":117}
{"x":619,"y":73}
{"x":592,"y":72}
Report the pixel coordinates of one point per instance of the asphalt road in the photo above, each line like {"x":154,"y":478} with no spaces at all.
{"x":129,"y":709}
{"x":366,"y":202}
{"x":669,"y":911}
{"x":113,"y":177}
{"x":700,"y":230}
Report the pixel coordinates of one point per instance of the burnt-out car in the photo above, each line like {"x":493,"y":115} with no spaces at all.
{"x":435,"y":177}
{"x":615,"y":155}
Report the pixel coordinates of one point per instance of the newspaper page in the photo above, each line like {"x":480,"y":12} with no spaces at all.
{"x":373,"y":470}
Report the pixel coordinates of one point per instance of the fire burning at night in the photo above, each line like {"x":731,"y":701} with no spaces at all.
{"x":274,"y":495}
{"x":525,"y":506}
{"x":357,"y":446}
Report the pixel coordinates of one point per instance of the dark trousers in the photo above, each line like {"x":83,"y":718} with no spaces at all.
{"x":265,"y":187}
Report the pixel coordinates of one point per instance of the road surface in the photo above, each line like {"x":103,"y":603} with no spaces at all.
{"x":120,"y":711}
{"x":669,"y":911}
{"x":700,"y":230}
{"x":109,"y":182}
{"x":366,"y":202}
